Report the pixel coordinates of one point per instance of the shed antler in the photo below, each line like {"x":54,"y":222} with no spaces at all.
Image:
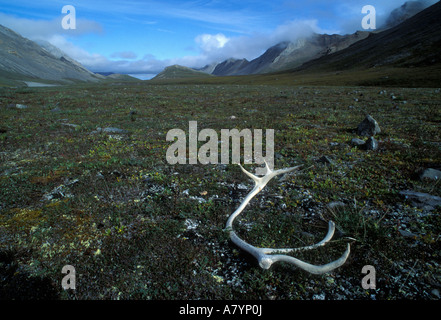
{"x":267,"y":256}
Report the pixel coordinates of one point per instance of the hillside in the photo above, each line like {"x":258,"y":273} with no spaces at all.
{"x":415,"y":42}
{"x":24,"y":60}
{"x":180,"y":72}
{"x":288,"y":55}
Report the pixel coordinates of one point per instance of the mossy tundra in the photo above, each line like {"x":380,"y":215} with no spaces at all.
{"x":136,"y":227}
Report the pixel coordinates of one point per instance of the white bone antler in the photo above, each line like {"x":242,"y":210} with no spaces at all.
{"x":267,"y":256}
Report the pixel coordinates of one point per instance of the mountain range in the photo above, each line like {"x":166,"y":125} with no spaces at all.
{"x":291,"y":55}
{"x":416,"y":42}
{"x":287,"y":55}
{"x":410,"y":38}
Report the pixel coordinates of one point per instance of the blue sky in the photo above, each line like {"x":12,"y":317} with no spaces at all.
{"x":145,"y":36}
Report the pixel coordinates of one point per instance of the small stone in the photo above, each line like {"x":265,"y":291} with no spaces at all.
{"x":114,"y":130}
{"x":17,"y":106}
{"x":430,"y":174}
{"x":371,"y":144}
{"x":357,"y":142}
{"x":407,"y":234}
{"x":70,"y":125}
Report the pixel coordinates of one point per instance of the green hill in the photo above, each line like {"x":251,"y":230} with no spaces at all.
{"x":180,"y":72}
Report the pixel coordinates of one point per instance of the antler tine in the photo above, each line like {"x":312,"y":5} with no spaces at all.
{"x":265,"y":256}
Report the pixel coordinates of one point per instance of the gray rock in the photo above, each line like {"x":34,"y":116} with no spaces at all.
{"x":70,"y":125}
{"x":371,"y":144}
{"x":430,"y":174}
{"x":357,"y":142}
{"x":113,"y":130}
{"x":368,"y":127}
{"x":421,"y":200}
{"x":17,"y":106}
{"x":407,"y":234}
{"x":436,"y":293}
{"x":110,"y":130}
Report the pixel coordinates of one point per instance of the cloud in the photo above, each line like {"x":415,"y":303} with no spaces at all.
{"x":208,"y":42}
{"x":124,"y":55}
{"x":218,"y":47}
{"x":43,"y":29}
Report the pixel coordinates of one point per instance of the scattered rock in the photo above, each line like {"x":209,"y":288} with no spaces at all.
{"x":368,"y":127}
{"x":62,"y":191}
{"x":422,"y":200}
{"x":436,"y":293}
{"x":110,"y":130}
{"x":17,"y":106}
{"x":114,"y":130}
{"x":371,"y":144}
{"x":407,"y":234}
{"x":357,"y":142}
{"x":70,"y":125}
{"x":430,"y":174}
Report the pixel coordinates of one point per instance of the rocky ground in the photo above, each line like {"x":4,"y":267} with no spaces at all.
{"x":85,"y":182}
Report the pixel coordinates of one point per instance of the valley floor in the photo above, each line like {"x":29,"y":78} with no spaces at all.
{"x":84,"y":181}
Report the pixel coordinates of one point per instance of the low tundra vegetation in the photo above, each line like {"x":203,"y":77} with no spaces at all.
{"x":84,"y":181}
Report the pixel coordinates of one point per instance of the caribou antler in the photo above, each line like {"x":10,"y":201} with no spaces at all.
{"x":266,"y":256}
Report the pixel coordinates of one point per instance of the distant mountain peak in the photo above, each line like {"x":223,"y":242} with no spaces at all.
{"x":177,"y":72}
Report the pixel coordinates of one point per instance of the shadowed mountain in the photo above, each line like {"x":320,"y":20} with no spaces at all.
{"x":415,"y":42}
{"x":24,"y":60}
{"x":406,"y":11}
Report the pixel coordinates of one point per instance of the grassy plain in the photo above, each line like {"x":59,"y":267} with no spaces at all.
{"x":136,"y":227}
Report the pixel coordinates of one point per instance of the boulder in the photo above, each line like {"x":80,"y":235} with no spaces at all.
{"x":368,"y":127}
{"x":421,"y":200}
